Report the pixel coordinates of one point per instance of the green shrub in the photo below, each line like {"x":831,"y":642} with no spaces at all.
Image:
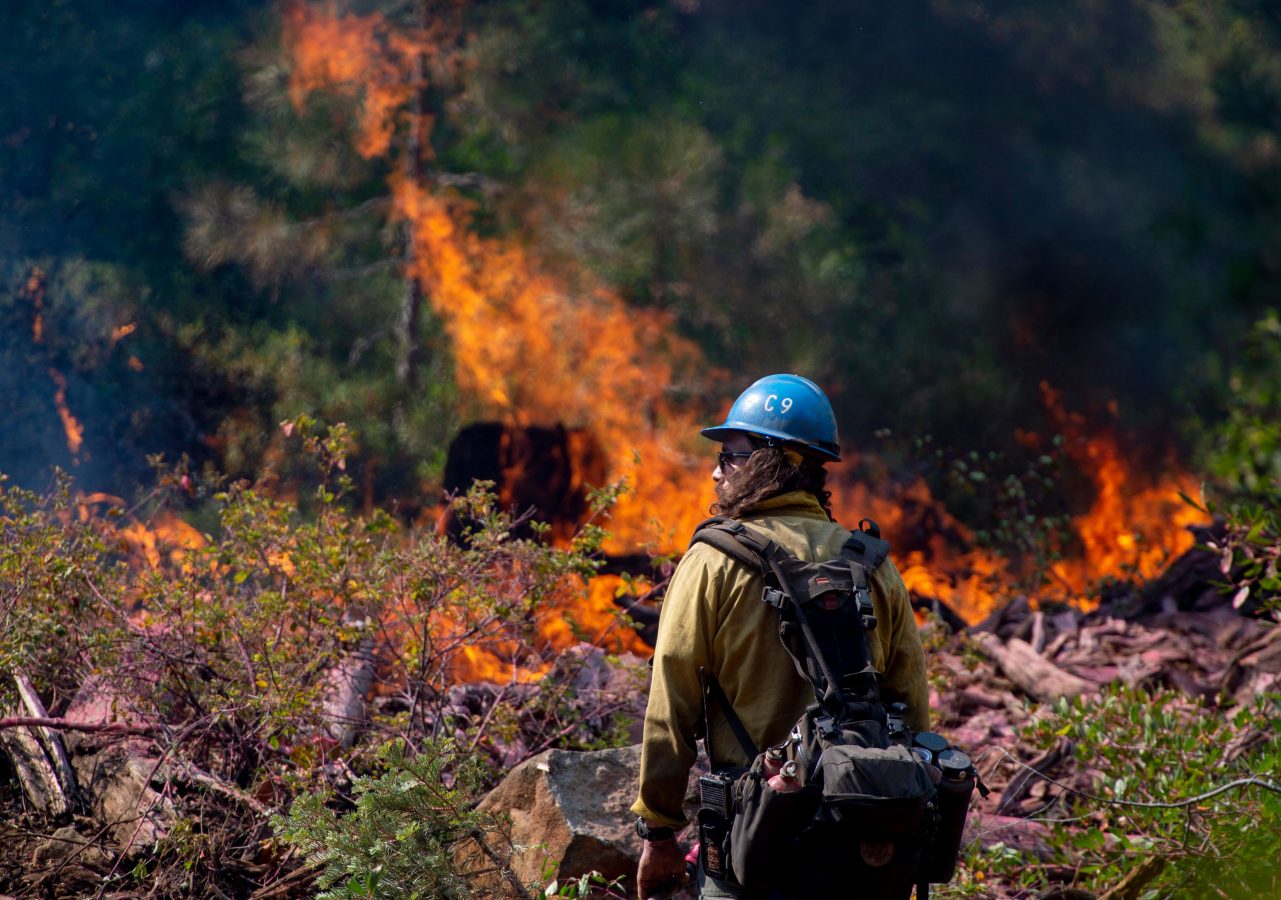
{"x":1146,"y":764}
{"x":407,"y":835}
{"x":231,"y":641}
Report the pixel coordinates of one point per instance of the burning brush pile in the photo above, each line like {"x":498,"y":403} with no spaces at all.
{"x":168,"y":691}
{"x":172,"y":692}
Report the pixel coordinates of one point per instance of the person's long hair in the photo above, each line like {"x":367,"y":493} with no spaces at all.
{"x":768,"y":472}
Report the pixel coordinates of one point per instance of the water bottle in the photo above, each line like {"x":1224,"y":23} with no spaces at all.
{"x":953,"y":799}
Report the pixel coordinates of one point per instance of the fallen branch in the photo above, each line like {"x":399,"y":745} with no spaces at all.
{"x":52,"y":741}
{"x":1020,"y":783}
{"x":35,"y":773}
{"x":189,"y":773}
{"x":298,"y":881}
{"x":69,"y":725}
{"x":1252,"y":781}
{"x":1132,"y":885}
{"x":518,"y":889}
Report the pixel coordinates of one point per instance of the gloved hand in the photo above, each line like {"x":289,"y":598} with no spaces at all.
{"x":662,"y":866}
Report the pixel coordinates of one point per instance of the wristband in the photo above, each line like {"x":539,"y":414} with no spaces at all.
{"x":648,"y":832}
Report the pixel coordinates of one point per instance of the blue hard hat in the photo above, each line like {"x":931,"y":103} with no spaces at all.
{"x":787,"y":407}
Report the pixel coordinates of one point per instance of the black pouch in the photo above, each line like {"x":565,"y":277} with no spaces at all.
{"x":876,"y":793}
{"x":767,"y":824}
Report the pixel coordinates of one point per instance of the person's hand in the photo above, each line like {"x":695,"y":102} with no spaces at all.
{"x":662,"y":865}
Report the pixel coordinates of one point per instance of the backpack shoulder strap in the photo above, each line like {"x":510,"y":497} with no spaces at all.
{"x":713,"y":693}
{"x":736,"y":541}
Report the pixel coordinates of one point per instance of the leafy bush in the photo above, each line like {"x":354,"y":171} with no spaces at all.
{"x":1246,"y":453}
{"x":1148,"y":766}
{"x":56,"y":572}
{"x":235,"y":642}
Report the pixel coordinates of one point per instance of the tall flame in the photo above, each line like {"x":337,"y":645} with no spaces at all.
{"x":1136,"y":524}
{"x":529,"y":351}
{"x":527,"y":348}
{"x":70,"y":424}
{"x":34,"y":290}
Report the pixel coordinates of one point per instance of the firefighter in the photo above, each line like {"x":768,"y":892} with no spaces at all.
{"x":769,"y":473}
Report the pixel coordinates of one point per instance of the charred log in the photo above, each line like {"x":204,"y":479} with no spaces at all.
{"x":1037,"y":676}
{"x":545,"y":472}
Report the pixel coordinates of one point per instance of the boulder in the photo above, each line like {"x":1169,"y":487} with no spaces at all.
{"x":116,"y":783}
{"x":569,"y":813}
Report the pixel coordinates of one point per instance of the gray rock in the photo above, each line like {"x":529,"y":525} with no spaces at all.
{"x":117,"y":786}
{"x":67,"y":844}
{"x":569,"y":813}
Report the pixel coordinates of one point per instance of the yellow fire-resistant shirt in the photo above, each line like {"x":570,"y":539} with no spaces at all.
{"x":713,"y":617}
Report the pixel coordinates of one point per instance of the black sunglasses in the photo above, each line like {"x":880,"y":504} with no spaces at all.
{"x":726,"y":456}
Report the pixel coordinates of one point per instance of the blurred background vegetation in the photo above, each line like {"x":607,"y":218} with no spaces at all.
{"x":928,"y":207}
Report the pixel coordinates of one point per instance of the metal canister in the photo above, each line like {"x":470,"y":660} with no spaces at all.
{"x":933,"y":743}
{"x":953,"y":799}
{"x":786,"y":781}
{"x":894,"y":723}
{"x":773,"y":762}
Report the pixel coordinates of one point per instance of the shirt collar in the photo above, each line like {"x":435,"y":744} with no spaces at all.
{"x":793,"y":503}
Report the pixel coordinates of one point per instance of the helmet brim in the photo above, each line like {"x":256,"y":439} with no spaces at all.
{"x":721,"y":432}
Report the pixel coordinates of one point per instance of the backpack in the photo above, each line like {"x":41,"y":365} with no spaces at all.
{"x":866,"y":811}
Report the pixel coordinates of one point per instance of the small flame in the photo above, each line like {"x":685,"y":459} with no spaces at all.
{"x":34,"y":288}
{"x":120,"y":332}
{"x":166,"y":534}
{"x":70,"y":424}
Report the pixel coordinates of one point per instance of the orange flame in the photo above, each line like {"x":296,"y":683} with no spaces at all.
{"x":120,"y":332}
{"x":167,"y":534}
{"x":360,"y":57}
{"x":582,"y":613}
{"x":530,"y":349}
{"x":70,"y":424}
{"x":527,"y":348}
{"x":1136,"y":525}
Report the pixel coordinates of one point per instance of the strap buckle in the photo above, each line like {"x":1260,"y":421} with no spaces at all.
{"x":865,"y":608}
{"x":774,"y":597}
